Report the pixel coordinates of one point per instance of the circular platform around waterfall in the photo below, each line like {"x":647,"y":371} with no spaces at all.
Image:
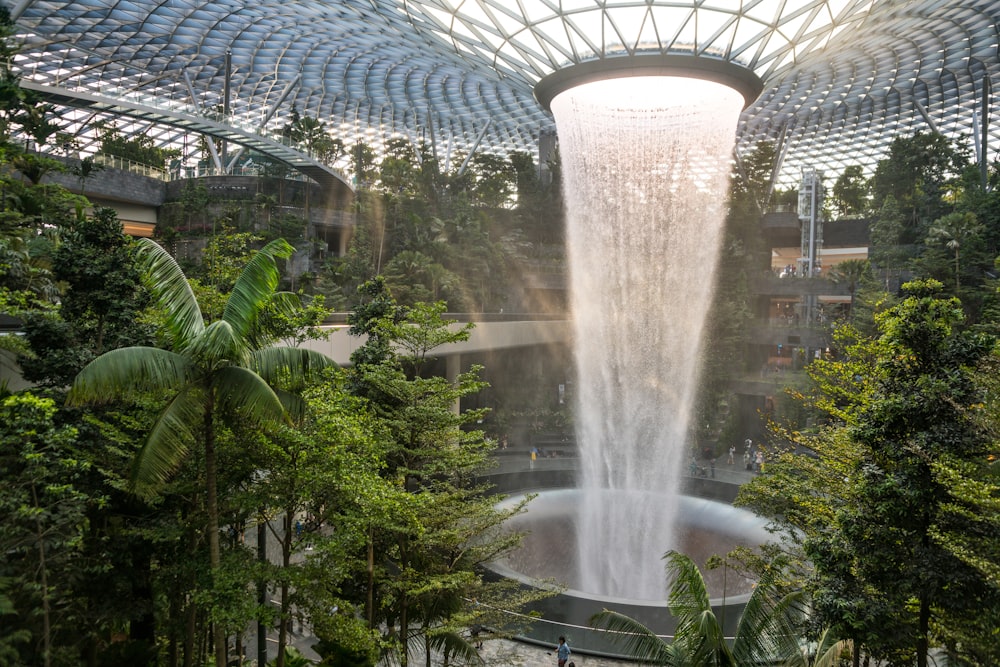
{"x":707,"y":528}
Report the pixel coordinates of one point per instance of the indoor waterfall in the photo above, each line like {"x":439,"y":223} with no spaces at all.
{"x":645,"y":167}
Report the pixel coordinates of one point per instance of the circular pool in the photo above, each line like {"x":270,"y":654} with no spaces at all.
{"x":548,"y":557}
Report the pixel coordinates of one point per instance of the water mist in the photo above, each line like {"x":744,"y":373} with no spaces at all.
{"x":645,"y":165}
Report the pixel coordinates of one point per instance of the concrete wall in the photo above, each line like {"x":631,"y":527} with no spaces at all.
{"x":115,"y":185}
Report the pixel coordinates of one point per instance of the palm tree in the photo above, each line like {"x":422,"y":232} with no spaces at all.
{"x":850,"y":272}
{"x":223,"y":370}
{"x":953,"y":230}
{"x":765,"y":634}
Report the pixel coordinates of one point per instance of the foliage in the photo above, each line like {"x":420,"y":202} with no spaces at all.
{"x":42,"y":521}
{"x":852,"y":273}
{"x":952,"y":237}
{"x":457,"y":235}
{"x":313,"y":136}
{"x":138,"y":148}
{"x":99,"y":305}
{"x":850,"y":192}
{"x":918,"y":174}
{"x":871,"y":509}
{"x":445,"y":527}
{"x":766,"y":632}
{"x":21,"y":111}
{"x":220,"y":370}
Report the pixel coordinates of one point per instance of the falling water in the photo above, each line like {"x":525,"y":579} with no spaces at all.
{"x":645,"y":164}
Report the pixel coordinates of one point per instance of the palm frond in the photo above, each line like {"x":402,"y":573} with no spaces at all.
{"x":704,"y":641}
{"x":295,"y":406}
{"x":168,"y":441}
{"x":217,"y":343}
{"x":165,"y":279}
{"x":634,"y":639}
{"x":255,"y":286}
{"x":456,"y":647}
{"x":829,"y":650}
{"x":243,"y":394}
{"x":688,"y":596}
{"x":767,"y":629}
{"x":290,"y":365}
{"x":126,"y":371}
{"x":285,"y":303}
{"x":699,"y":634}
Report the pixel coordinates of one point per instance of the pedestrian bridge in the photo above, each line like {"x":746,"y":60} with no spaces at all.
{"x":495,"y":333}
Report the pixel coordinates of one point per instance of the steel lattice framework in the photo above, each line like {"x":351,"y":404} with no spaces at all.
{"x":842,"y":77}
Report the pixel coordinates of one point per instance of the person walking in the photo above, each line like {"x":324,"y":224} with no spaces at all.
{"x":562,"y":652}
{"x":732,"y":455}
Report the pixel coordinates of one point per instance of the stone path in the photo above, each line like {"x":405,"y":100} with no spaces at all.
{"x":504,"y":653}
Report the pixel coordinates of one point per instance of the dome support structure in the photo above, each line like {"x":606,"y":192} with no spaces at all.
{"x":739,"y":78}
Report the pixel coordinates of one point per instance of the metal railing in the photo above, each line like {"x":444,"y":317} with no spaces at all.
{"x":115,"y":162}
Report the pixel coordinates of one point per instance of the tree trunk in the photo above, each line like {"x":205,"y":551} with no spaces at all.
{"x":212,"y":509}
{"x":404,"y":631}
{"x":189,"y":609}
{"x":286,"y":559}
{"x":190,"y":636}
{"x":262,"y":588}
{"x":370,"y":601}
{"x":43,"y":570}
{"x":922,"y":631}
{"x":404,"y":620}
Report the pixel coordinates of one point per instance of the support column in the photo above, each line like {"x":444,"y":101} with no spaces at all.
{"x":984,"y":131}
{"x":453,"y":366}
{"x":226,"y":94}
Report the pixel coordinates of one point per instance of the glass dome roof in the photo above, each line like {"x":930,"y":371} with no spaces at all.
{"x":841,"y":77}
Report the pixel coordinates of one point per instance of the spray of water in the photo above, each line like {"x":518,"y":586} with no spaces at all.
{"x":645,"y":164}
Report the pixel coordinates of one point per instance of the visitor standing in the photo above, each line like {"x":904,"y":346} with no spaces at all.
{"x":562,"y":652}
{"x":746,"y":459}
{"x":732,"y":455}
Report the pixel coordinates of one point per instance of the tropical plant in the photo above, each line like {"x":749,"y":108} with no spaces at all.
{"x":955,"y":231}
{"x":893,"y":505}
{"x":850,"y":191}
{"x":224,"y":370}
{"x":42,"y":520}
{"x":850,"y":272}
{"x":766,"y":633}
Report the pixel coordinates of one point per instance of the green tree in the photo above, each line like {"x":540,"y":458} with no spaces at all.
{"x":752,"y":186}
{"x":139,"y":148}
{"x":851,"y":273}
{"x":85,"y":170}
{"x":414,"y":277}
{"x":42,"y":521}
{"x":956,"y":232}
{"x":886,"y":231}
{"x":495,"y":180}
{"x":99,"y":306}
{"x":850,"y":192}
{"x":919,"y":172}
{"x":429,"y":565}
{"x":766,"y":633}
{"x":904,"y":408}
{"x":324,"y":471}
{"x":21,"y":110}
{"x":224,"y":370}
{"x":31,"y":215}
